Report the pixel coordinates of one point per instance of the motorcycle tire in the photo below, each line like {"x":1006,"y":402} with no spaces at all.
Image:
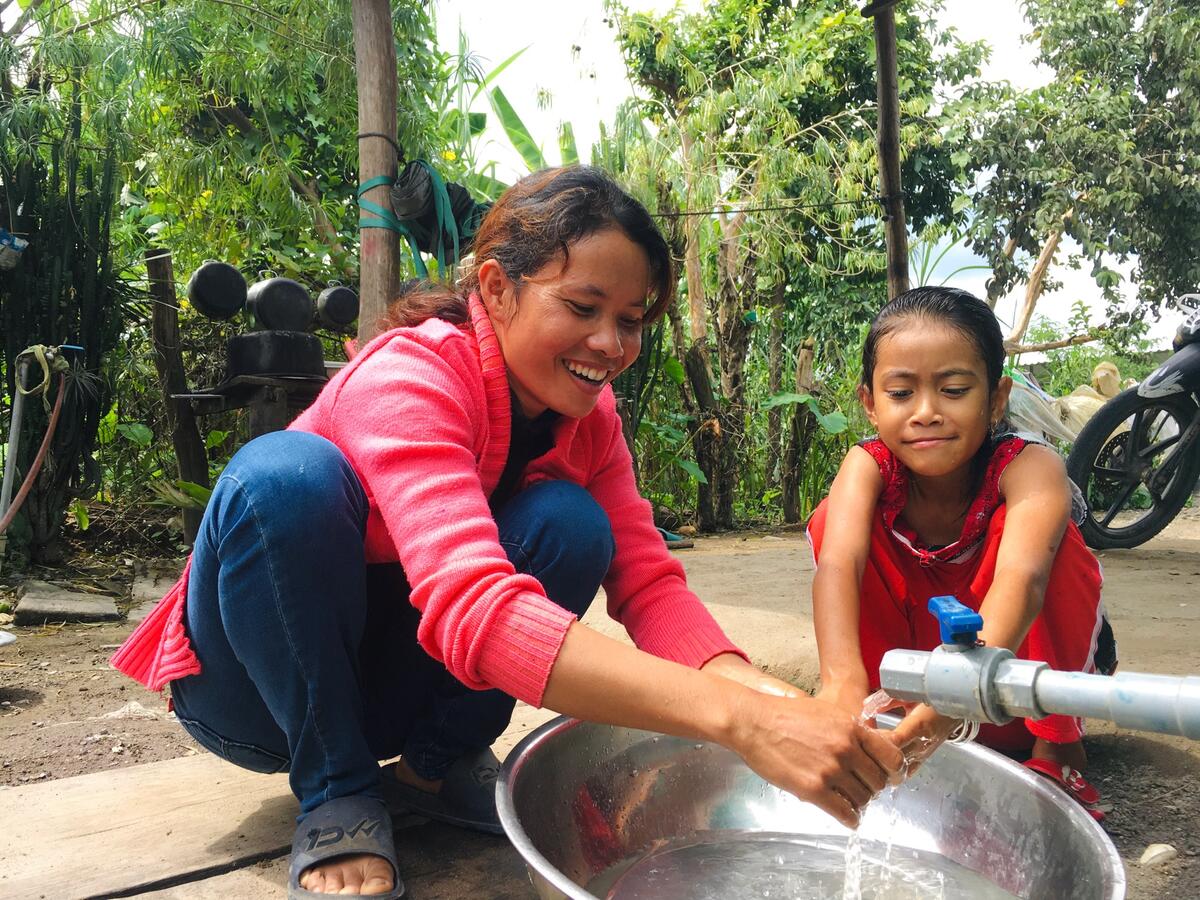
{"x":1099,"y":463}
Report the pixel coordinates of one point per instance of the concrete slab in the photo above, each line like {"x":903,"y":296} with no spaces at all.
{"x":40,"y":602}
{"x":148,"y":588}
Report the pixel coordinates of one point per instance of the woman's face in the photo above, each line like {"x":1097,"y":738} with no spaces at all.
{"x":574,"y":327}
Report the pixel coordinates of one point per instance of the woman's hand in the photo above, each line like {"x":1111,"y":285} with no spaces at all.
{"x":847,"y":696}
{"x":733,"y":667}
{"x":817,"y":752}
{"x":921,"y":732}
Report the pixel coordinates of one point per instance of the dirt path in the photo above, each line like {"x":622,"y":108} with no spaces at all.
{"x":63,"y":712}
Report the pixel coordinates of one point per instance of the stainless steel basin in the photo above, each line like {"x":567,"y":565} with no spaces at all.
{"x":613,"y":812}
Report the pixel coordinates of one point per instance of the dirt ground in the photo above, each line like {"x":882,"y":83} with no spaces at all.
{"x":64,"y":712}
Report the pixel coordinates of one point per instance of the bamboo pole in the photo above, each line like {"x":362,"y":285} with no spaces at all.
{"x":887,"y":92}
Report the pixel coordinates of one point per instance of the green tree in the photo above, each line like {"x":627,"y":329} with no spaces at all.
{"x":763,"y":123}
{"x":1107,"y":153}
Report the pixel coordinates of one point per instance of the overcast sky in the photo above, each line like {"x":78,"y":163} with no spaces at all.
{"x":572,"y":57}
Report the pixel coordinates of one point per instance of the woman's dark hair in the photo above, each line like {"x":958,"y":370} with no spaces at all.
{"x":534,"y":221}
{"x":956,"y":308}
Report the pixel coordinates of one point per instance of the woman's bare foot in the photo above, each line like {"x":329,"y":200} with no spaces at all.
{"x":1072,"y":754}
{"x":361,"y":873}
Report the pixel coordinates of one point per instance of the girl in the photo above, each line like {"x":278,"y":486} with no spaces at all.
{"x":385,"y":577}
{"x":943,"y":501}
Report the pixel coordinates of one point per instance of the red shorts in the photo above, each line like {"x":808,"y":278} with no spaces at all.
{"x":896,"y":588}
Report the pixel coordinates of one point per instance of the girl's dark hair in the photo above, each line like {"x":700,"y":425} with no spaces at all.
{"x":959,"y":309}
{"x":534,"y":221}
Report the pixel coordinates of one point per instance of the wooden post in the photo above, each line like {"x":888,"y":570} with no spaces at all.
{"x":190,"y":453}
{"x":379,"y":253}
{"x":887,"y":92}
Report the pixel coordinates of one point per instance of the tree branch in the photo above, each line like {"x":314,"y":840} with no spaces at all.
{"x":1014,"y":348}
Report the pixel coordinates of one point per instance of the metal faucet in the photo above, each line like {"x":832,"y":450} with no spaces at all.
{"x":967,"y":680}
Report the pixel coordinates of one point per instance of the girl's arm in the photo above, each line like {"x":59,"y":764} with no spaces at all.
{"x":1037,"y":501}
{"x":819,"y":753}
{"x":836,"y":586}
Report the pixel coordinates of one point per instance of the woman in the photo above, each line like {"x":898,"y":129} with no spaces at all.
{"x":385,"y":577}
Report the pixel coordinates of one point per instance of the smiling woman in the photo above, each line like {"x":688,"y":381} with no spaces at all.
{"x":473,"y":490}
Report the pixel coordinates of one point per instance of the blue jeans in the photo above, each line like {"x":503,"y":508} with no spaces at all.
{"x":309,"y":655}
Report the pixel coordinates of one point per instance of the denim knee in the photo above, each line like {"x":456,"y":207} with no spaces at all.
{"x":557,"y":532}
{"x":301,"y":477}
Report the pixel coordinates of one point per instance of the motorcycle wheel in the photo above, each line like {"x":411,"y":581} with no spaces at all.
{"x":1116,"y":455}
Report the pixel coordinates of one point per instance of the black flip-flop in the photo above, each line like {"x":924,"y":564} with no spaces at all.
{"x":467,"y":798}
{"x":340,"y":827}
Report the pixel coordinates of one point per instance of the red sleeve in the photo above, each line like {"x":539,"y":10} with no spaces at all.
{"x":412,"y":421}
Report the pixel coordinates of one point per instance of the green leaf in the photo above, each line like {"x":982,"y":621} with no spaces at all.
{"x":215,"y":438}
{"x":521,"y":139}
{"x":832,"y":423}
{"x":673,"y":369}
{"x":692,"y":469}
{"x":492,"y":75}
{"x":197,"y":492}
{"x":79,"y":511}
{"x":782,"y":399}
{"x":136,"y":432}
{"x":180,"y":494}
{"x":566,"y":144}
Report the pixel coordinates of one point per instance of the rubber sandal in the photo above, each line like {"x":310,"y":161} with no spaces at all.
{"x":340,"y":827}
{"x":675,"y":541}
{"x":1077,"y":787}
{"x":467,"y":798}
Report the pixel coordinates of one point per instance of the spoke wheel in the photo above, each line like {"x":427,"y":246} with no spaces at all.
{"x":1130,"y":467}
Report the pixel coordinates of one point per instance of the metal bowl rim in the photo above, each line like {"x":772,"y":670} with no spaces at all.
{"x":517,"y":758}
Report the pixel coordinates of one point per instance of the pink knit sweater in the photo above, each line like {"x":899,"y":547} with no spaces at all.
{"x":423,"y":416}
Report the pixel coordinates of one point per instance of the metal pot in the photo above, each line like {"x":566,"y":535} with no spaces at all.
{"x":584,"y":804}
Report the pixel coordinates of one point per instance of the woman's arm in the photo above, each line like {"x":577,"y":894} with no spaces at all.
{"x":836,"y":585}
{"x":1037,"y":502}
{"x":808,"y":748}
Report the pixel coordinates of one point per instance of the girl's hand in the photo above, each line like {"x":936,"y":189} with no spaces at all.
{"x":733,"y":667}
{"x":847,"y":696}
{"x":817,"y":752}
{"x":921,"y":732}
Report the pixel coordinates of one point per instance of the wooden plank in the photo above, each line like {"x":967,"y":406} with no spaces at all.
{"x":111,"y":832}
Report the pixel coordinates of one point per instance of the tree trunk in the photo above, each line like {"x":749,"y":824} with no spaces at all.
{"x":379,"y":251}
{"x":697,"y":301}
{"x":800,"y":436}
{"x":707,"y":436}
{"x":775,"y":382}
{"x":887,"y":92}
{"x":1033,"y":289}
{"x":168,"y":360}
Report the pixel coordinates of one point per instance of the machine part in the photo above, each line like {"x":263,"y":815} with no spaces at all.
{"x":217,"y":290}
{"x":1136,"y":463}
{"x":337,"y":307}
{"x":275,"y":353}
{"x":280,"y":304}
{"x":989,"y":684}
{"x":14,"y":441}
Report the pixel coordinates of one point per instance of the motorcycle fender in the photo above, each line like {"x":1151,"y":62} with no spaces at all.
{"x":1179,"y":374}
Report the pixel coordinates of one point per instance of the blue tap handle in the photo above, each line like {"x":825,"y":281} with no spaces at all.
{"x":959,"y":624}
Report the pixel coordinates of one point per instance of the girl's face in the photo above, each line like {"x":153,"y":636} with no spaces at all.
{"x":929,"y":397}
{"x":574,"y":327}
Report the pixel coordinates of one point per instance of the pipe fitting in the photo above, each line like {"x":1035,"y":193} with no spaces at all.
{"x":1016,"y":688}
